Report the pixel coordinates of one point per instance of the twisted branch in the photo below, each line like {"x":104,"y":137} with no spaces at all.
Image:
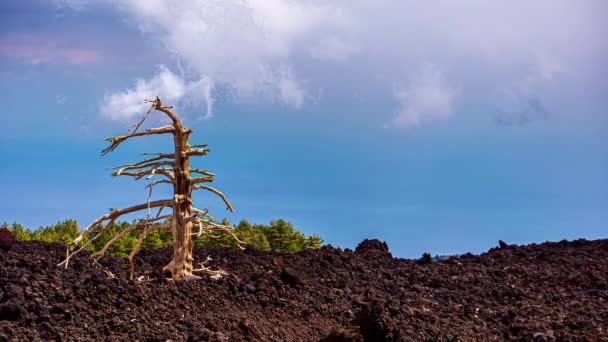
{"x":202,"y":172}
{"x":151,"y":172}
{"x":140,"y":240}
{"x":112,"y":216}
{"x":153,"y":165}
{"x":217,"y":192}
{"x":158,"y":157}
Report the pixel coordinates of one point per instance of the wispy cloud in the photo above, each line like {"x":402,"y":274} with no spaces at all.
{"x":75,"y":5}
{"x":520,"y":111}
{"x":45,"y":49}
{"x":428,"y":97}
{"x":60,"y":99}
{"x":290,"y":90}
{"x":172,"y":88}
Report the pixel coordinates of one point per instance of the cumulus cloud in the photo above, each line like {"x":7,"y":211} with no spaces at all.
{"x":246,"y":45}
{"x":429,"y":97}
{"x":170,"y":87}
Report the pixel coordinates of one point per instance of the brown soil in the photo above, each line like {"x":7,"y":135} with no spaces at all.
{"x":552,"y":291}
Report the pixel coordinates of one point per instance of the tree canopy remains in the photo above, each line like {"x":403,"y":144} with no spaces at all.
{"x":174,"y":169}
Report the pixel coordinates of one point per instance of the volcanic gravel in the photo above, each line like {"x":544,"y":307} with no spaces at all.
{"x":556,"y":291}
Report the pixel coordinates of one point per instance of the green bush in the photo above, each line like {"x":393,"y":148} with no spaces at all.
{"x":63,"y":232}
{"x":279,"y":236}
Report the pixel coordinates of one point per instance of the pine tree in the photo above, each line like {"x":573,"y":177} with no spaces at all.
{"x":253,"y":236}
{"x":314,"y":242}
{"x":283,"y":237}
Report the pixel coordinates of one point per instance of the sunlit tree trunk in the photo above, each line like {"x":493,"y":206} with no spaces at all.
{"x":175,"y":170}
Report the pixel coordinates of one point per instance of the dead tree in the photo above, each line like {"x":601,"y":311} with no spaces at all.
{"x":174,"y":169}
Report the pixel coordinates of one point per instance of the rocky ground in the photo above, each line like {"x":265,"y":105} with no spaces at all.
{"x":548,"y":292}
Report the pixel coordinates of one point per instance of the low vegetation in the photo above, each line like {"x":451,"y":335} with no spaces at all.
{"x":278,"y":236}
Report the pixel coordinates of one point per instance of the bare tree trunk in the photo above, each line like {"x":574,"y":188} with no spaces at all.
{"x":184,"y":215}
{"x":181,"y":265}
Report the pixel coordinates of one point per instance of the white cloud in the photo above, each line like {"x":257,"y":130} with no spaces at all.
{"x":245,"y":45}
{"x":427,"y":98}
{"x":291,"y":92}
{"x":171,"y":88}
{"x":333,"y":49}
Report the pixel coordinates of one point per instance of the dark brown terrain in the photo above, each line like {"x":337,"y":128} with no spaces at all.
{"x":554,"y":291}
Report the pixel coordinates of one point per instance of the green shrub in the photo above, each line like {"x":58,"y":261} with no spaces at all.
{"x":279,"y":236}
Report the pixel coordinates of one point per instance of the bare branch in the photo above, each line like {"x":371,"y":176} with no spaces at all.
{"x":157,"y":218}
{"x":140,"y":240}
{"x":115,"y":141}
{"x":212,"y":226}
{"x":160,"y":210}
{"x":136,"y":126}
{"x":214,"y":274}
{"x":195,"y":152}
{"x":158,"y":182}
{"x":206,"y":179}
{"x":69,"y":255}
{"x":139,"y":166}
{"x":158,"y":157}
{"x":157,"y":104}
{"x":200,"y":214}
{"x":151,"y":172}
{"x":217,"y":192}
{"x":140,"y":225}
{"x":202,"y":172}
{"x":114,"y":214}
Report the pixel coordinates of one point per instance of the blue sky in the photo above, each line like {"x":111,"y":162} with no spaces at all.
{"x":439,"y":127}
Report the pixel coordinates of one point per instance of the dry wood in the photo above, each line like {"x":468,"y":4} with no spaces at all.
{"x":176,"y":168}
{"x":217,"y":192}
{"x":150,"y":131}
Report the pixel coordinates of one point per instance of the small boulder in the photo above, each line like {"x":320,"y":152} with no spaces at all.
{"x":11,"y":312}
{"x":373,"y":247}
{"x":425,"y":259}
{"x":290,"y":277}
{"x":502,"y":244}
{"x":7,"y":239}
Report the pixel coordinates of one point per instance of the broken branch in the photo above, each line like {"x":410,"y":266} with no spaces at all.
{"x":115,"y":141}
{"x":151,"y":172}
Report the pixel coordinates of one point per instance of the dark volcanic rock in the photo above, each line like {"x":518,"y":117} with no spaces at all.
{"x":7,"y":239}
{"x":541,"y":292}
{"x":344,"y":334}
{"x":502,"y":244}
{"x":425,"y":259}
{"x":373,"y":247}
